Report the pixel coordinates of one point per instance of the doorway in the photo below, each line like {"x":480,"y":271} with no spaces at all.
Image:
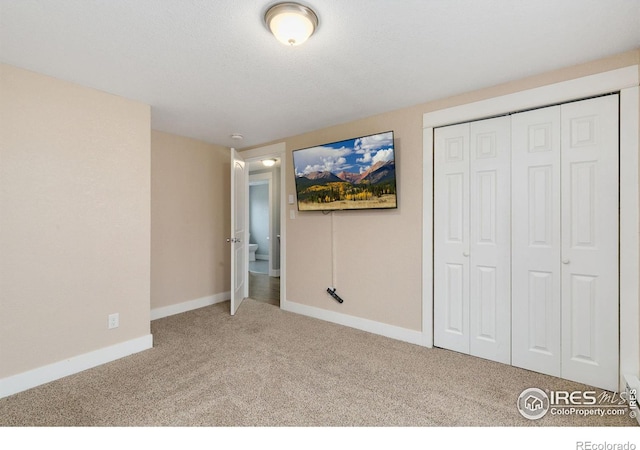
{"x":264,"y":230}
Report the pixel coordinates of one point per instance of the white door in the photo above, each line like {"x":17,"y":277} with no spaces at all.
{"x":451,"y":236}
{"x":590,"y":208}
{"x":536,"y":240}
{"x":565,"y":241}
{"x":490,"y":239}
{"x":526,"y":251}
{"x":472,"y":267}
{"x":239,"y":213}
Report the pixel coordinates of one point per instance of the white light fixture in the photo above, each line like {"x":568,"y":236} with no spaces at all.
{"x":268,"y":162}
{"x":291,"y":23}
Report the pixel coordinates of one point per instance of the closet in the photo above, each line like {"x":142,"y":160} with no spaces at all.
{"x":526,"y":240}
{"x":472,"y":236}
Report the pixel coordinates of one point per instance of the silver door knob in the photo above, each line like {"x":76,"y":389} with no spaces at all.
{"x":465,"y":254}
{"x":565,"y":261}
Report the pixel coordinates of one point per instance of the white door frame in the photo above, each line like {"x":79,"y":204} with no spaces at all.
{"x":276,"y":151}
{"x":625,"y":80}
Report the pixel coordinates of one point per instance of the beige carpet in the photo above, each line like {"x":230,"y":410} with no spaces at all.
{"x":267,"y":367}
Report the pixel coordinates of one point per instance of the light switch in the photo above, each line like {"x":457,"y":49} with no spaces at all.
{"x":292,"y":214}
{"x":291,"y":199}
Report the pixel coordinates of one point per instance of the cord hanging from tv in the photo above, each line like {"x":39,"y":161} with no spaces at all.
{"x":358,"y":173}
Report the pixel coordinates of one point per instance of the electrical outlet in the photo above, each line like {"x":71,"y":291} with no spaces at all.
{"x":114,"y":321}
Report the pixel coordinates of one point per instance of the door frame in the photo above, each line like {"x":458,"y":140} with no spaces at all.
{"x":625,"y":81}
{"x":267,"y":152}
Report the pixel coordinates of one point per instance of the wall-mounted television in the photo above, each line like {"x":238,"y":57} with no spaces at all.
{"x":358,"y":173}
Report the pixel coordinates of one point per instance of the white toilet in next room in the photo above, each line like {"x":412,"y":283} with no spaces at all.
{"x":252,"y":251}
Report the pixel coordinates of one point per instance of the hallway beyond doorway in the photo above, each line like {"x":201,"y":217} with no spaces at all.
{"x":264,"y":288}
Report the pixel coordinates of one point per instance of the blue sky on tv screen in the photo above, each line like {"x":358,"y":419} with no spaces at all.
{"x":353,"y":155}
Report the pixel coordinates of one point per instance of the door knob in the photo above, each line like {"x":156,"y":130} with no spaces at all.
{"x":565,"y":261}
{"x":465,"y":254}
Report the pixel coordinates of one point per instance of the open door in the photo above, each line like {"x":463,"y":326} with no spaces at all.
{"x":239,"y":213}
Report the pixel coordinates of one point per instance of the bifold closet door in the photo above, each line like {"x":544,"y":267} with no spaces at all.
{"x":590,"y":216}
{"x":472,"y":239}
{"x":451,"y":236}
{"x":490,"y":239}
{"x":536,"y":240}
{"x":565,"y":241}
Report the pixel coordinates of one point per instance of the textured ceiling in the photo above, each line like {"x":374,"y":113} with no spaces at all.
{"x":210,"y":68}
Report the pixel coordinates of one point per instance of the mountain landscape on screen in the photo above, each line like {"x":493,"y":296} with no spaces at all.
{"x":358,"y":173}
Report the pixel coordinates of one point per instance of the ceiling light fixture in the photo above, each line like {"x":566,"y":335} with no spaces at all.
{"x":268,"y":162}
{"x":291,"y":23}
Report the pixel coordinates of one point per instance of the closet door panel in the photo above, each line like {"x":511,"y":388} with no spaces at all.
{"x":451,"y":235}
{"x":490,"y":237}
{"x":536,"y":240}
{"x":590,"y":192}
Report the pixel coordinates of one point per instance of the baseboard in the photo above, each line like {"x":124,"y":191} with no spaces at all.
{"x":260,"y":257}
{"x":371,"y":326}
{"x":51,"y":372}
{"x":178,"y":308}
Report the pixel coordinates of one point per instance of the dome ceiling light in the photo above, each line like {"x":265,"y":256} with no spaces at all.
{"x":291,"y":23}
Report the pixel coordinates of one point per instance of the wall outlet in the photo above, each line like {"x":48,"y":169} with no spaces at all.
{"x":114,"y":321}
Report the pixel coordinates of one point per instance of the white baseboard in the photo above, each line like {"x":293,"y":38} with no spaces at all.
{"x":166,"y":311}
{"x":371,"y":326}
{"x":51,"y":372}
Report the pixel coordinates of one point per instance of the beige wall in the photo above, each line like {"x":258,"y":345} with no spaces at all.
{"x":190,"y":218}
{"x":378,"y":254}
{"x":74,"y":223}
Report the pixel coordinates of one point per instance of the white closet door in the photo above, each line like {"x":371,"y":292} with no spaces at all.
{"x":451,"y":235}
{"x":536,"y":240}
{"x":490,"y":239}
{"x":590,"y":241}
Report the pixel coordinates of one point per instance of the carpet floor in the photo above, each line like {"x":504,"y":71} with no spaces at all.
{"x":268,"y":367}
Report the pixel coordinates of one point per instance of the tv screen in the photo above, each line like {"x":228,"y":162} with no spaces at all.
{"x":358,"y":173}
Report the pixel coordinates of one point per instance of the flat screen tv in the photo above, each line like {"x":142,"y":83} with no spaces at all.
{"x":358,"y":173}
